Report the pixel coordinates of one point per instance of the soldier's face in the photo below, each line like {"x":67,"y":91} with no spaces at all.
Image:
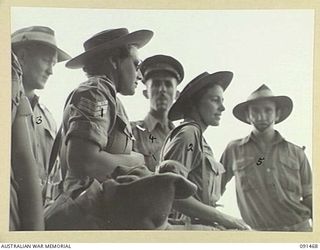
{"x":37,"y":66}
{"x":210,"y":106}
{"x":129,"y":72}
{"x":262,"y":114}
{"x":161,"y":90}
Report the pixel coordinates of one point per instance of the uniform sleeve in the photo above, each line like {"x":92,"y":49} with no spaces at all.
{"x":91,"y":116}
{"x":305,"y":175}
{"x":24,"y":108}
{"x":184,"y":147}
{"x":227,"y":160}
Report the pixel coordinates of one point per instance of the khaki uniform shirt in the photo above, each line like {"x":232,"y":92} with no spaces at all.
{"x":94,"y":113}
{"x":43,"y":131}
{"x":186,"y":145}
{"x":149,"y":138}
{"x":269,"y":185}
{"x":16,"y":94}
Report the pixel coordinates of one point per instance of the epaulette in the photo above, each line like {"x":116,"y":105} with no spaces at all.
{"x":138,"y":125}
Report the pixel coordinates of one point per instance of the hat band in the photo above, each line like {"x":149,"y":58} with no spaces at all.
{"x":161,"y":68}
{"x":260,"y":94}
{"x":34,"y":36}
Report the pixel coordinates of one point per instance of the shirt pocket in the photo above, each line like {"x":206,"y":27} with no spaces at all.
{"x":49,"y":132}
{"x":120,"y":140}
{"x":289,"y":174}
{"x":215,"y":171}
{"x":214,"y":166}
{"x":246,"y":176}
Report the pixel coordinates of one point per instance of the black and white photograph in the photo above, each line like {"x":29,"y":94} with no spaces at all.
{"x":162,"y":119}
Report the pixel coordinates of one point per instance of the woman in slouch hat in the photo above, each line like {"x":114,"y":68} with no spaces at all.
{"x":96,"y":134}
{"x":200,"y":104}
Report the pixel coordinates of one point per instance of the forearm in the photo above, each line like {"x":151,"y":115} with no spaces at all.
{"x":103,"y":164}
{"x":94,"y":162}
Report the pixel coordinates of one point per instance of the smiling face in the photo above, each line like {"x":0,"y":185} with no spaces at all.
{"x":210,"y":105}
{"x":37,"y":63}
{"x":262,"y":114}
{"x":161,"y":90}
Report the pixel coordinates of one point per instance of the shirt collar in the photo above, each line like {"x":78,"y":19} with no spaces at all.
{"x":150,"y":122}
{"x":277,"y":139}
{"x":105,"y":81}
{"x":34,"y":101}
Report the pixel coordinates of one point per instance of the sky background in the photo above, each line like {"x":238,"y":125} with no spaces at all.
{"x":272,"y":47}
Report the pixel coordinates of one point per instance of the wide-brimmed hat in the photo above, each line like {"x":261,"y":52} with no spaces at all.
{"x":38,"y":34}
{"x":222,"y":78}
{"x":144,"y":203}
{"x":107,"y":40}
{"x":159,"y":63}
{"x":283,"y":103}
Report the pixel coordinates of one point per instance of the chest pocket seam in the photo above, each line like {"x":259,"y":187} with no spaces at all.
{"x":244,"y":170}
{"x":45,"y":125}
{"x":215,"y":166}
{"x":289,"y":175}
{"x":124,"y":127}
{"x":121,"y":128}
{"x":289,"y":162}
{"x":243,"y":164}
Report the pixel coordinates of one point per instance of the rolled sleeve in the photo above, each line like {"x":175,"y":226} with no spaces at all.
{"x":89,"y":131}
{"x":227,"y":160}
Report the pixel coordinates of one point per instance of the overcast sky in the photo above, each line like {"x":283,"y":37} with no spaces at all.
{"x":272,"y":47}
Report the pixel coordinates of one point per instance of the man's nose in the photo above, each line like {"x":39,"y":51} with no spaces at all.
{"x":49,"y":70}
{"x":139,"y":75}
{"x":222,"y":107}
{"x":260,"y":116}
{"x":162,"y":87}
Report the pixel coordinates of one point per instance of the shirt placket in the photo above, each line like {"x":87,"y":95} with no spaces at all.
{"x":270,"y":175}
{"x":267,"y":169}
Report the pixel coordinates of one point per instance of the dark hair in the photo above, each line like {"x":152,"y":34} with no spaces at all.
{"x":194,"y":100}
{"x":95,"y":65}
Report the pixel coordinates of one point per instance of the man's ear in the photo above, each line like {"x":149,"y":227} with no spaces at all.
{"x":278,"y":113}
{"x":113,"y":61}
{"x":246,"y":113}
{"x":145,"y":93}
{"x":177,"y":94}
